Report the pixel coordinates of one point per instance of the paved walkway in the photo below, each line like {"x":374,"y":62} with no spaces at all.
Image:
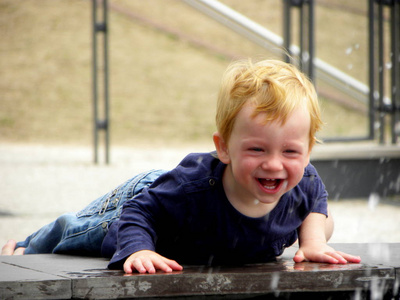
{"x":38,"y":183}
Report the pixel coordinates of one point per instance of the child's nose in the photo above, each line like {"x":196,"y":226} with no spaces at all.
{"x":272,"y":163}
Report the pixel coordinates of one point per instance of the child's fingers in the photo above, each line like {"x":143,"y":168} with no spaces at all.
{"x":142,"y":266}
{"x":329,"y":257}
{"x":299,"y":257}
{"x":132,"y":264}
{"x":149,"y":262}
{"x":129,"y":267}
{"x":326,"y":258}
{"x":146,"y":265}
{"x":168,"y":265}
{"x":175,"y":266}
{"x":335,"y":258}
{"x":344,"y":258}
{"x":161,"y":265}
{"x":350,"y":258}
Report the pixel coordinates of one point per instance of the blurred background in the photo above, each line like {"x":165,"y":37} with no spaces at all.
{"x":166,"y":60}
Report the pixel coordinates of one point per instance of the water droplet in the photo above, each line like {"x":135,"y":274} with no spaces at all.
{"x":357,"y":294}
{"x":396,"y":287}
{"x":284,"y":185}
{"x":200,"y":159}
{"x":335,"y":163}
{"x":387,"y":100}
{"x":373,"y":201}
{"x":397,"y":128}
{"x":379,"y":251}
{"x":377,"y":287}
{"x":306,"y":56}
{"x":274,"y":281}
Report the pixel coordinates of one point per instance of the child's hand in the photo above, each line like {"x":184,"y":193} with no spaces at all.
{"x":318,"y":251}
{"x":149,"y":261}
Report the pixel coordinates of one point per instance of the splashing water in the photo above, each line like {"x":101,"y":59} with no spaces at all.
{"x":357,"y":294}
{"x":200,"y":159}
{"x":274,"y":284}
{"x":274,"y":281}
{"x":396,"y":287}
{"x":284,"y":185}
{"x":349,"y":50}
{"x":379,"y":252}
{"x":373,"y":201}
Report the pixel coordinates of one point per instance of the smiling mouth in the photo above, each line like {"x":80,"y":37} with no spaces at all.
{"x":270,"y":184}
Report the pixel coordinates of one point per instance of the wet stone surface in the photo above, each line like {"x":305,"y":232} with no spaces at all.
{"x":50,"y":276}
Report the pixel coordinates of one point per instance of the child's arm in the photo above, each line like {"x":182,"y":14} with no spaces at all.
{"x":149,"y":261}
{"x":313,"y":235}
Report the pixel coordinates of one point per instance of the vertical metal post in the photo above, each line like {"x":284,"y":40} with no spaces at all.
{"x":287,"y":24}
{"x":100,"y":27}
{"x":301,"y":37}
{"x":94,"y":79}
{"x":381,"y":75}
{"x":106,"y":90}
{"x":306,"y":34}
{"x":371,"y":58}
{"x":378,"y":67}
{"x":311,"y":42}
{"x":395,"y":52}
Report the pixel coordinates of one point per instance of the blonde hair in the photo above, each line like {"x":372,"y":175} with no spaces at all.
{"x":274,"y":87}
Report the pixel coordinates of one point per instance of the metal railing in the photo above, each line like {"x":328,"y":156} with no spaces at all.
{"x":274,"y":43}
{"x":315,"y":67}
{"x":380,"y":106}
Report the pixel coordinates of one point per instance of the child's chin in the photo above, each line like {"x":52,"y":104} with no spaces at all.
{"x":270,"y":199}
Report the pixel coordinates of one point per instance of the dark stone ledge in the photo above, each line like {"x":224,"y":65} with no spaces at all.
{"x":50,"y":276}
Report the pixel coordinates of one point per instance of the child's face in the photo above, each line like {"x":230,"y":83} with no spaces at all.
{"x":264,"y":160}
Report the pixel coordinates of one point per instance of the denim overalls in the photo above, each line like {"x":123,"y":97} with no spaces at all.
{"x":83,"y":232}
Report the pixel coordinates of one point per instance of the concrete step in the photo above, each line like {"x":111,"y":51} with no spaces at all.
{"x":359,"y":170}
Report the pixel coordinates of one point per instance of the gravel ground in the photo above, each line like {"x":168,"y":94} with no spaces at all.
{"x":38,"y":183}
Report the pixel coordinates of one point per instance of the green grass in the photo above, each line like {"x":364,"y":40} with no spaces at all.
{"x":162,"y":88}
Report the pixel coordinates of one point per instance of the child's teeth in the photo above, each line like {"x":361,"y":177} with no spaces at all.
{"x":269,"y":184}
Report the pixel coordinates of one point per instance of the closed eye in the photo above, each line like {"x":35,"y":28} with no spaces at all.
{"x":290,"y":151}
{"x":256,"y":149}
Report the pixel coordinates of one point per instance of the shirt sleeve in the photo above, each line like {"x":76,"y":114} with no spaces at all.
{"x":142,"y":216}
{"x":321,"y":204}
{"x":317,"y":192}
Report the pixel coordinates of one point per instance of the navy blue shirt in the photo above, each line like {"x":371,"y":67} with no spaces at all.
{"x":185,"y":215}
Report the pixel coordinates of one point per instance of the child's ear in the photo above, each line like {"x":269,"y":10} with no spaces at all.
{"x":222,"y":148}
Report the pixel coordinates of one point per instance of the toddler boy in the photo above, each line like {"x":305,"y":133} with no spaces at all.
{"x":245,"y":203}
